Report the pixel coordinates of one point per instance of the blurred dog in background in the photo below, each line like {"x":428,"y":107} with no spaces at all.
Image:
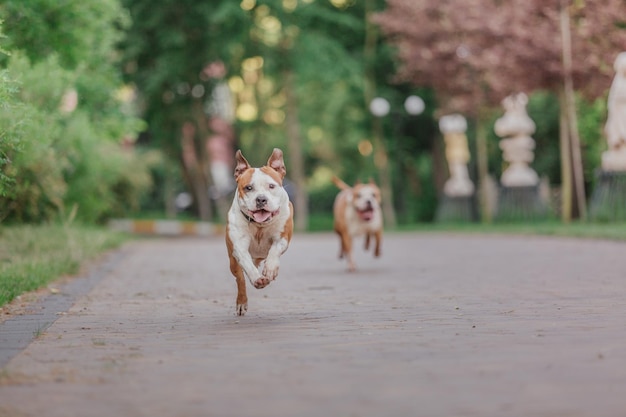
{"x":357,"y":212}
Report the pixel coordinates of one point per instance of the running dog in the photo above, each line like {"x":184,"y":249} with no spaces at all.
{"x":259,"y":225}
{"x":357,"y":212}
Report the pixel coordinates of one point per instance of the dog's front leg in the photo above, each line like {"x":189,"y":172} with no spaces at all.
{"x":241,"y":252}
{"x":272,"y":263}
{"x":242,"y":297}
{"x":346,"y":250}
{"x":251,"y":271}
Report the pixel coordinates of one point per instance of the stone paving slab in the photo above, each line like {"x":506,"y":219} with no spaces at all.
{"x":441,"y":325}
{"x":17,"y":332}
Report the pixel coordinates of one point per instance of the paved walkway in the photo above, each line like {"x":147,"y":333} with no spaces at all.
{"x":441,"y":325}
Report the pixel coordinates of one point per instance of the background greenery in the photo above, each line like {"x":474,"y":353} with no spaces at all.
{"x":53,"y":162}
{"x":134,"y":65}
{"x":133,"y":62}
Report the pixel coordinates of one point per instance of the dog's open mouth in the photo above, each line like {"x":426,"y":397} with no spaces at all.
{"x":262,"y":215}
{"x":366,"y":214}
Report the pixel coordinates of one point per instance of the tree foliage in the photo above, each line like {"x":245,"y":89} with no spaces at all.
{"x":476,"y":52}
{"x":265,"y":45}
{"x":473,"y":49}
{"x":69,"y":158}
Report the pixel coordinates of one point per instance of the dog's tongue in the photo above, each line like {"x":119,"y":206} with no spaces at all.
{"x":261,"y":215}
{"x":366,"y":215}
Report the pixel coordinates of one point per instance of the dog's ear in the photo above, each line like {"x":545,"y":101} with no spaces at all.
{"x":242,"y":164}
{"x":276,"y":162}
{"x":372,"y":182}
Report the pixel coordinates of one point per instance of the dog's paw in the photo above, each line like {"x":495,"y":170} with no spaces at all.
{"x":261,"y":283}
{"x":241,"y":309}
{"x":270,"y":270}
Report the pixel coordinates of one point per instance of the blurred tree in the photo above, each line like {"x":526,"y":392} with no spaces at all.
{"x":309,"y":56}
{"x":168,"y":55}
{"x":294,"y":68}
{"x":82,"y":36}
{"x":340,"y":64}
{"x":9,"y":137}
{"x":445,"y":46}
{"x":87,"y":40}
{"x":72,"y":120}
{"x":475,"y":53}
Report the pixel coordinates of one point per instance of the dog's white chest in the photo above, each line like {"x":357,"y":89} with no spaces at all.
{"x":260,"y":244}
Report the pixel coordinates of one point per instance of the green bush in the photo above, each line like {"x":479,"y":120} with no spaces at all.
{"x":9,"y":139}
{"x":67,"y":161}
{"x":61,"y":163}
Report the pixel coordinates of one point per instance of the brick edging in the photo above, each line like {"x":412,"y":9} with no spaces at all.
{"x":165,"y":227}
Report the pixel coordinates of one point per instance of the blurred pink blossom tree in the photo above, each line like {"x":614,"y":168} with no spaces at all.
{"x":473,"y":53}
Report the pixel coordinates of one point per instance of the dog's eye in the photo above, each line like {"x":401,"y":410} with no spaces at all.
{"x":358,"y":195}
{"x":248,"y":188}
{"x":272,"y":186}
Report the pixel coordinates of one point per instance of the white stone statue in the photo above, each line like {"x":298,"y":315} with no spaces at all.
{"x":515,"y":127}
{"x":459,"y":184}
{"x":614,"y":159}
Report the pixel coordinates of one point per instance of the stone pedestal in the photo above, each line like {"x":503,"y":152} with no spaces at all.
{"x":608,"y":201}
{"x":456,"y":209}
{"x":457,"y":203}
{"x":614,"y":160}
{"x":524,"y":203}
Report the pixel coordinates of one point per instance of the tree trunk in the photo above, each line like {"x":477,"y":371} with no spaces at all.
{"x":577,"y":164}
{"x":381,"y":159}
{"x":369,"y":53}
{"x":200,"y":191}
{"x":296,"y":156}
{"x":483,"y":169}
{"x":192,"y":167}
{"x":568,"y":107}
{"x":566,"y":165}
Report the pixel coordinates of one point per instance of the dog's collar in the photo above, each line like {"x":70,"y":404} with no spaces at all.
{"x":251,"y":219}
{"x":248,"y":218}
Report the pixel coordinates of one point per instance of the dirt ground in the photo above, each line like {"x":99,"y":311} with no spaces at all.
{"x":440,"y":325}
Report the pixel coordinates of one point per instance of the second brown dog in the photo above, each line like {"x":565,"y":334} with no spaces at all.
{"x":357,"y":212}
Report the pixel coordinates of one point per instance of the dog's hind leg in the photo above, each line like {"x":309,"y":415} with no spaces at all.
{"x":342,"y":249}
{"x":346,"y":248}
{"x":346,"y":245}
{"x":379,"y":237}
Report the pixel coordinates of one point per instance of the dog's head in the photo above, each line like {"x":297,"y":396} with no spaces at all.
{"x":260,"y":192}
{"x":366,"y":200}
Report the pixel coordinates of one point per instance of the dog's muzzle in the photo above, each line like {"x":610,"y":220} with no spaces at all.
{"x":367,"y":213}
{"x":260,"y":215}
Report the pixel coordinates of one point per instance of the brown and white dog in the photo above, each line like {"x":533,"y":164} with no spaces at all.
{"x":357,"y":212}
{"x":259,"y":224}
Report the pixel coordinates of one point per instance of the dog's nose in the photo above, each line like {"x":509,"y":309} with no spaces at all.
{"x":261,"y":201}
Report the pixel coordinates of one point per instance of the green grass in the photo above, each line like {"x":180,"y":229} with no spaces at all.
{"x":33,"y":256}
{"x":613,"y":231}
